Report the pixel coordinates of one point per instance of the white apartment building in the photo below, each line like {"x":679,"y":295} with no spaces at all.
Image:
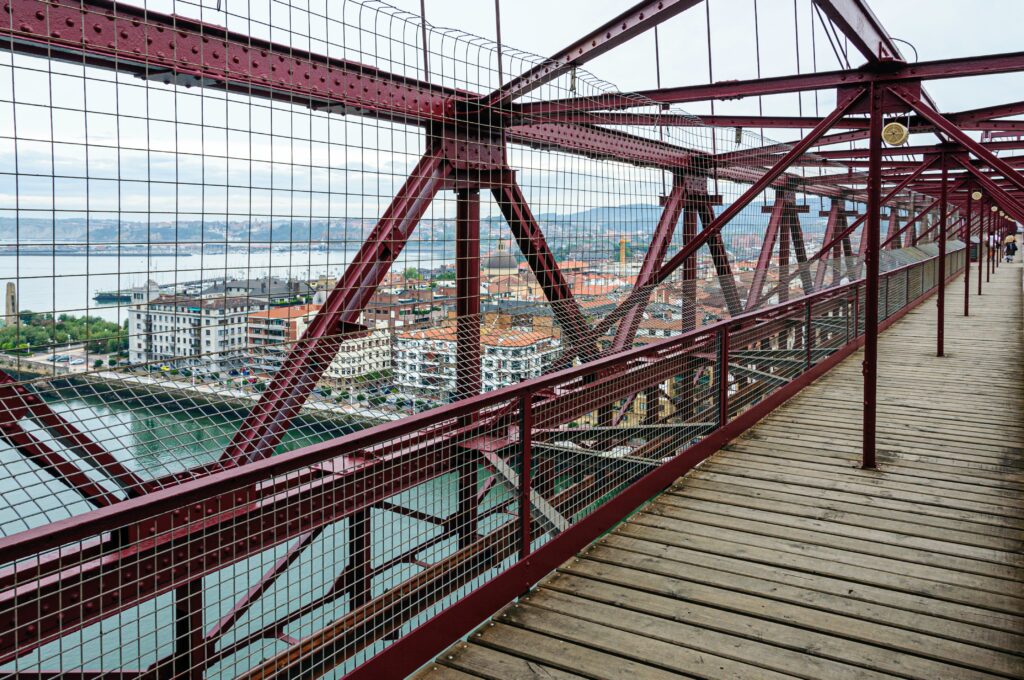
{"x":425,"y":360}
{"x":359,"y":354}
{"x":186,"y":332}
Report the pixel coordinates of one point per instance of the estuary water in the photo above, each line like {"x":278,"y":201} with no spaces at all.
{"x":66,"y":283}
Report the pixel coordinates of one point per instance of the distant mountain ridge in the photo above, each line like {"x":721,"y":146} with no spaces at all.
{"x":632,"y":218}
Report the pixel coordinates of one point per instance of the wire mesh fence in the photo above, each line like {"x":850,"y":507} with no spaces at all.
{"x":303,"y":342}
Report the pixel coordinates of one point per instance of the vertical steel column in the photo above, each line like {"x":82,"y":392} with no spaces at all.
{"x":764,"y":259}
{"x":652,"y":404}
{"x":468,"y":379}
{"x":981,"y":244}
{"x":940,"y":331}
{"x":967,"y":252}
{"x":894,"y":226}
{"x":808,"y":332}
{"x":723,"y":376}
{"x":467,"y":292}
{"x":988,"y":236}
{"x":189,"y":633}
{"x":689,"y":268}
{"x":688,"y":302}
{"x":784,"y":238}
{"x":360,"y":558}
{"x":526,"y":463}
{"x":996,"y":252}
{"x":871,"y":233}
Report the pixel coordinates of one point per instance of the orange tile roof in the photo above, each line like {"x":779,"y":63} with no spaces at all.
{"x":289,"y":312}
{"x":491,"y":338}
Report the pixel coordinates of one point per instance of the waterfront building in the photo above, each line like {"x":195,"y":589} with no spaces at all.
{"x":191,"y":332}
{"x":273,"y":333}
{"x":361,"y":356}
{"x":425,"y":359}
{"x":272,"y":291}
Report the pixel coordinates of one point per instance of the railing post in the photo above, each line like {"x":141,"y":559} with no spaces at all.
{"x":940,"y":331}
{"x":885,"y":306}
{"x":808,"y":335}
{"x":723,"y":376}
{"x":856,"y":310}
{"x":906,"y":288}
{"x":846,"y":315}
{"x":871,"y":229}
{"x":967,"y":251}
{"x":525,"y":482}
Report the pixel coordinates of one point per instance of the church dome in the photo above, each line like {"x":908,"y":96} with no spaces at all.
{"x":500,"y":259}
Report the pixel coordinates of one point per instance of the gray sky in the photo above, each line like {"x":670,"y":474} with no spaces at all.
{"x":936,"y":28}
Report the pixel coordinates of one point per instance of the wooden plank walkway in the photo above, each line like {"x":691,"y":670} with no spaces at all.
{"x":778,"y":557}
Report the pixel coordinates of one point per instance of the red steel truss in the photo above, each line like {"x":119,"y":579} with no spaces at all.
{"x":544,"y":466}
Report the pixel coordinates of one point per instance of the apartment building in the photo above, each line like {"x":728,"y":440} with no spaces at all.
{"x":425,"y":359}
{"x":273,"y":332}
{"x":185,"y":331}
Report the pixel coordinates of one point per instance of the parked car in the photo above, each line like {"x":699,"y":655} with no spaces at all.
{"x":76,"y":362}
{"x":62,"y":358}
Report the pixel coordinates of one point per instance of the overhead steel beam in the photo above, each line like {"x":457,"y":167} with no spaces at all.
{"x":859,"y":24}
{"x":960,"y":137}
{"x":841,"y":156}
{"x":626,"y":26}
{"x":205,"y":55}
{"x":763,"y":155}
{"x":678,"y":119}
{"x":987,"y":113}
{"x":737,"y":89}
{"x":176,"y":49}
{"x":597,"y":142}
{"x":1006,"y":200}
{"x":863,"y":29}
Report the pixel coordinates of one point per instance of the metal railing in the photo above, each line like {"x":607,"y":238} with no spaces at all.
{"x":380,"y":547}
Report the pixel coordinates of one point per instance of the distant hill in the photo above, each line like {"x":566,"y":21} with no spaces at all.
{"x":750,"y":219}
{"x":632,"y":218}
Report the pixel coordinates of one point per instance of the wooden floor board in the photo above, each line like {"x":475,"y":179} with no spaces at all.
{"x":779,"y":557}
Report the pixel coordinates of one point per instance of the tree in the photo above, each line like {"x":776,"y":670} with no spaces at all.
{"x":412,"y":273}
{"x":98,"y":363}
